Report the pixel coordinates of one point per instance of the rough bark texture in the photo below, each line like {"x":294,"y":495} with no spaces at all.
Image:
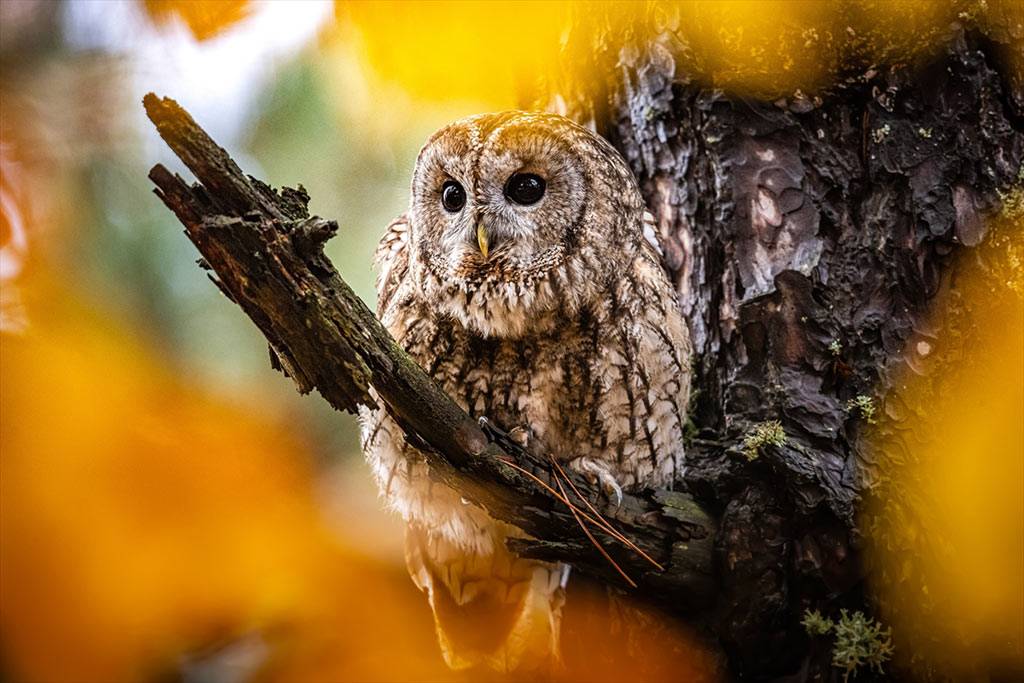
{"x":266,"y":253}
{"x":807,"y":237}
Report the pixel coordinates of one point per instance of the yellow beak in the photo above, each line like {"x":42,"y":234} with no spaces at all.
{"x":481,"y":238}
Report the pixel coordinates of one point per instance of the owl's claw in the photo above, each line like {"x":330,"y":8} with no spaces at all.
{"x":598,"y":472}
{"x":520,"y":435}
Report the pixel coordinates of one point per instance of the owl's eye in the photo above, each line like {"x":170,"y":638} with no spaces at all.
{"x":525,"y":188}
{"x":453,"y":197}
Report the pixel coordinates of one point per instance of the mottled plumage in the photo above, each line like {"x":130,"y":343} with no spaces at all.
{"x":553,"y":315}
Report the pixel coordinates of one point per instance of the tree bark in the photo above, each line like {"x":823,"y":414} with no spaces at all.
{"x":807,"y":236}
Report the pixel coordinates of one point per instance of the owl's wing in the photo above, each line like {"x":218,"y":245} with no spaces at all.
{"x":392,"y":261}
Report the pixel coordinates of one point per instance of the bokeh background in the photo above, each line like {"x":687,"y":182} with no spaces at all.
{"x":169,"y":507}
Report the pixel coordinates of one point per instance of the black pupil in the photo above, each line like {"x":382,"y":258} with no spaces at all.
{"x":525,"y":188}
{"x":453,"y":197}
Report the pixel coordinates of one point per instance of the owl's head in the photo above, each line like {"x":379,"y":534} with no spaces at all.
{"x":518,"y":219}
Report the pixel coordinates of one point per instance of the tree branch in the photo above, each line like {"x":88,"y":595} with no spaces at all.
{"x":266,"y":253}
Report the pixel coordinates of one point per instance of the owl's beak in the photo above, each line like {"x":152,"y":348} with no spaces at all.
{"x":481,"y":238}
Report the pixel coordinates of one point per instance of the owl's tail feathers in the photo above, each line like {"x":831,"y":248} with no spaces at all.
{"x":496,"y":611}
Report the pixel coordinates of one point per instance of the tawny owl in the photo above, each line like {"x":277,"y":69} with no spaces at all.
{"x":521,"y":280}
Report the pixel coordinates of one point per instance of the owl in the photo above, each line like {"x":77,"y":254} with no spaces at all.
{"x":522,"y":281}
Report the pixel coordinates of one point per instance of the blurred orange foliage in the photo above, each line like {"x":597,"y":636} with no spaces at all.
{"x":204,"y":18}
{"x":774,"y":47}
{"x":449,"y":51}
{"x":497,"y":52}
{"x":946,"y":532}
{"x":141,"y":519}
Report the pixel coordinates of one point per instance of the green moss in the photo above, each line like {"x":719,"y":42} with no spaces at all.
{"x":762,"y":434}
{"x":864,"y":406}
{"x":860,"y":641}
{"x":690,"y":431}
{"x":815,"y":624}
{"x":1012,"y":199}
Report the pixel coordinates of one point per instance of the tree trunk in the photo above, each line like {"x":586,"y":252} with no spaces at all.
{"x":807,"y":236}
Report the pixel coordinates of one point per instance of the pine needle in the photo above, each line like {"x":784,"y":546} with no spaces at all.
{"x":597,"y":544}
{"x":604,"y":523}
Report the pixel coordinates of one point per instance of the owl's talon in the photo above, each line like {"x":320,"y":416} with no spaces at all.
{"x":599,"y":473}
{"x":611,"y":486}
{"x":520,"y":435}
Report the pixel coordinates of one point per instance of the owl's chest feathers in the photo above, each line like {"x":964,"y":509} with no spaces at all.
{"x":606,"y":378}
{"x":544,"y":381}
